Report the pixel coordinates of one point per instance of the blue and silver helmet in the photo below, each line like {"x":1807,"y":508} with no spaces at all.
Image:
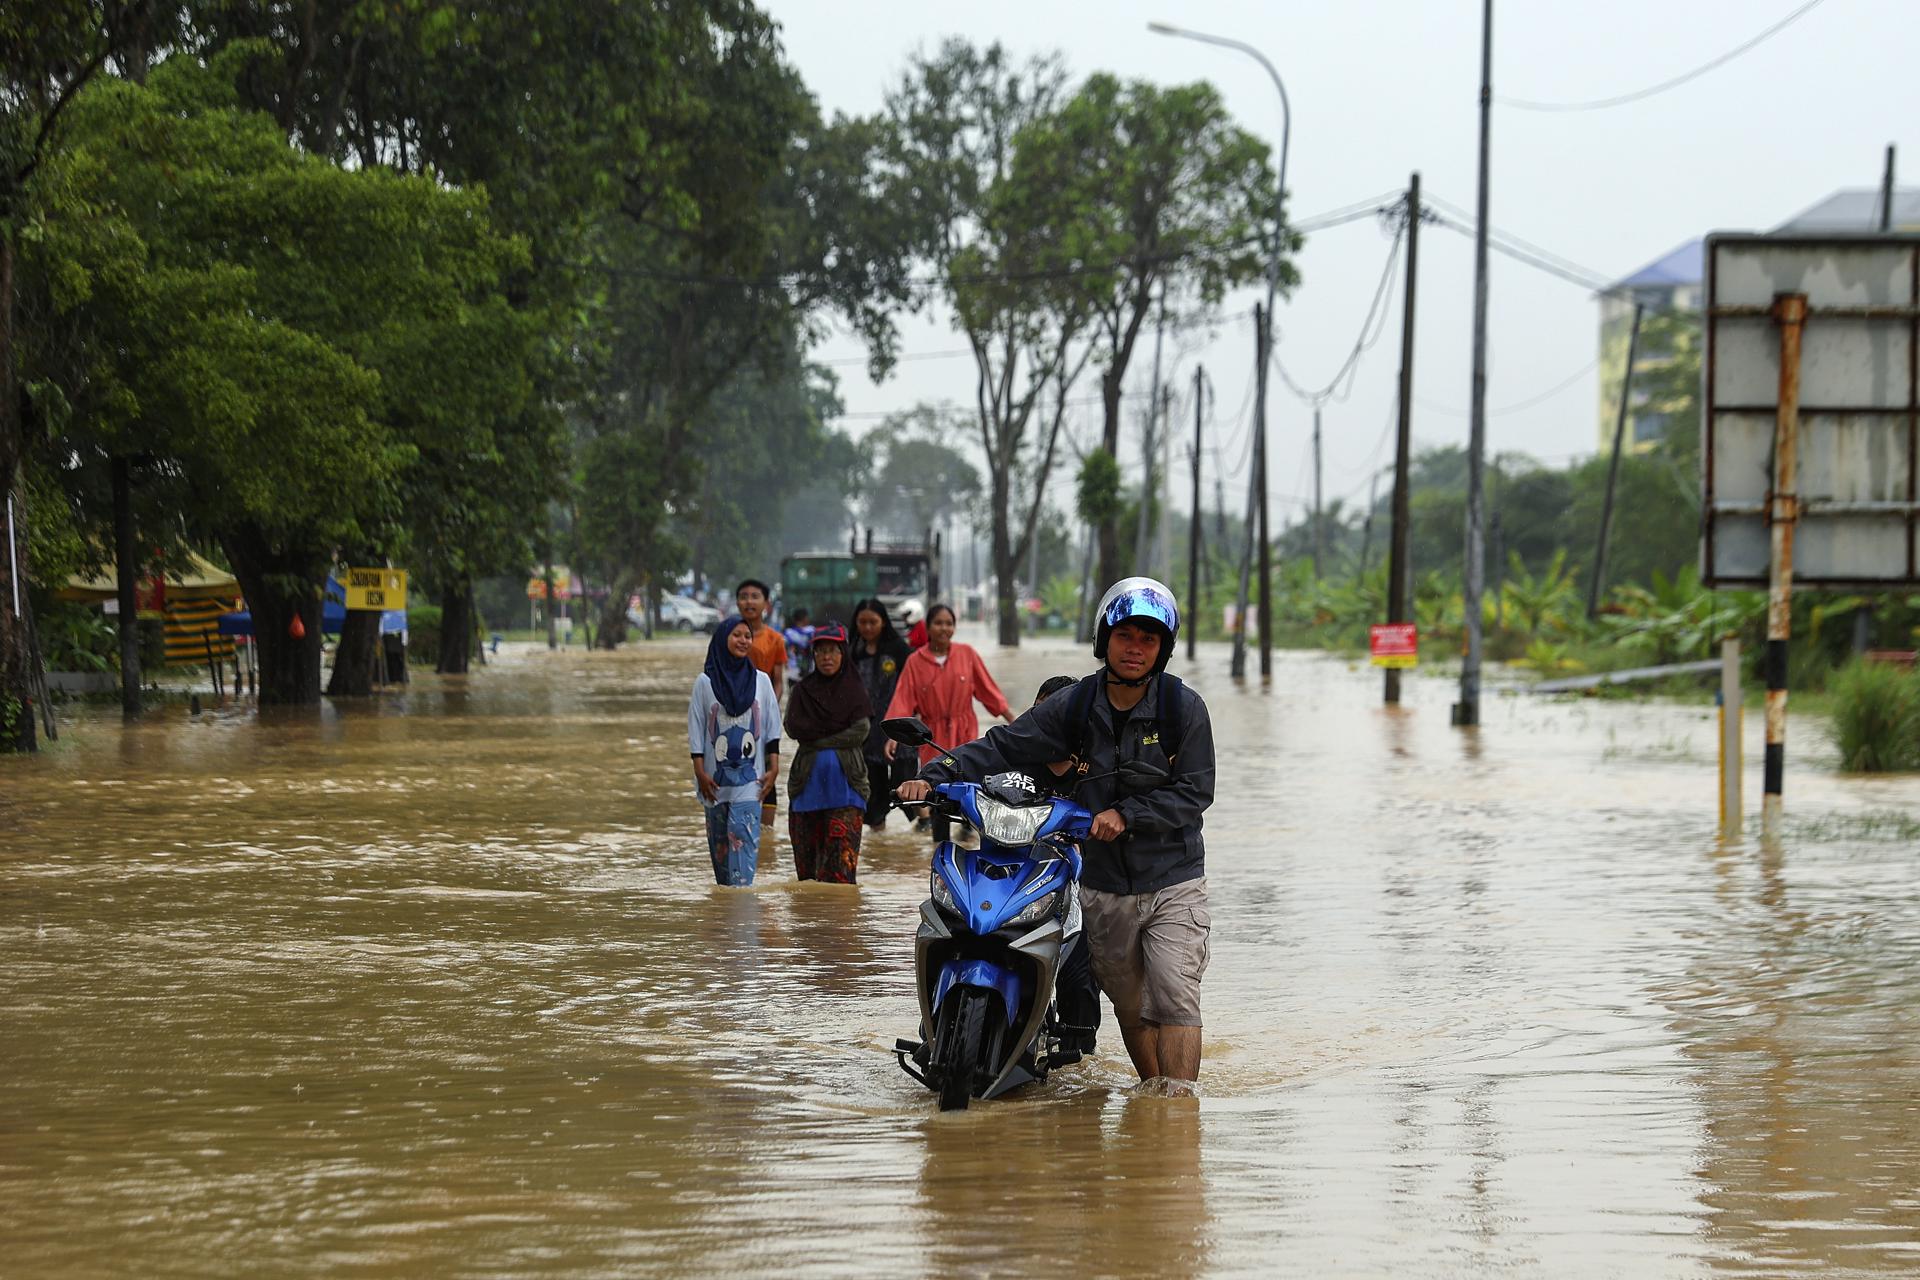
{"x":1141,"y":601}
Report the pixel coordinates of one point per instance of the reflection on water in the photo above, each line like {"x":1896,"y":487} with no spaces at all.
{"x":441,"y":982}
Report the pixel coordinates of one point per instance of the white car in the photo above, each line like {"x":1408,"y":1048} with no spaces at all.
{"x":683,"y":613}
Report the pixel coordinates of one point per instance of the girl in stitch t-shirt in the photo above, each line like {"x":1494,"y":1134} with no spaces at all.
{"x":733,"y":733}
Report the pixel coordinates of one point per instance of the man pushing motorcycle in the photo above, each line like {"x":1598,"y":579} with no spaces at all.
{"x":1143,"y":888}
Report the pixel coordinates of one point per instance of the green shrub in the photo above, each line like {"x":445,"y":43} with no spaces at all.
{"x":423,"y":634}
{"x":1876,"y":717}
{"x":78,"y":637}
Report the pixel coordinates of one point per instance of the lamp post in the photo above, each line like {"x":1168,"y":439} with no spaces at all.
{"x":1265,"y":343}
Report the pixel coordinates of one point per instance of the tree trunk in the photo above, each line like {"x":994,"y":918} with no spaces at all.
{"x":126,"y":573}
{"x":1005,"y":565}
{"x":613,"y":621}
{"x":16,"y":668}
{"x":281,"y":586}
{"x":613,"y":614}
{"x":478,"y":623}
{"x":358,"y":660}
{"x":456,"y":628}
{"x":553,"y":622}
{"x":1108,"y":567}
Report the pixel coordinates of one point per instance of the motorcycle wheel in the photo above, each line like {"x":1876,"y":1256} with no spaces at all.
{"x":960,"y":1049}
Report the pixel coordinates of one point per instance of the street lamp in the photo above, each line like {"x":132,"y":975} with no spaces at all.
{"x":1266,"y":347}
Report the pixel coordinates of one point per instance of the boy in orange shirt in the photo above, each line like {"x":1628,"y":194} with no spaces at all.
{"x":769,"y":654}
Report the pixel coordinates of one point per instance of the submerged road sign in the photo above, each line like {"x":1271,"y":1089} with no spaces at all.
{"x":1849,"y":466}
{"x":376,"y":588}
{"x":1394,"y":644}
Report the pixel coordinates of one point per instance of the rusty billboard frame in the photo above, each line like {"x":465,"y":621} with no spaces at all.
{"x":1857,"y":500}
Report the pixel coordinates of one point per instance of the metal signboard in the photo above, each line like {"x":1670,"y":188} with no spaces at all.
{"x":1394,"y":644}
{"x":1837,"y":421}
{"x":376,"y":588}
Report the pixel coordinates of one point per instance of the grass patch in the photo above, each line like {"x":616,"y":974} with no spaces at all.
{"x":1876,"y":717}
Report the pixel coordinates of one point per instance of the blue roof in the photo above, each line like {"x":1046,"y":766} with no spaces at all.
{"x":1685,"y":265}
{"x":1856,"y":209}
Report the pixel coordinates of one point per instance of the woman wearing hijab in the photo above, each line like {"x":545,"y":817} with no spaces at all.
{"x":733,"y":730}
{"x":828,"y":717}
{"x":877,"y":655}
{"x":940,"y":683}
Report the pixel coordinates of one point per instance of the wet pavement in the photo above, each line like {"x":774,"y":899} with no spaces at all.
{"x":440,"y":983}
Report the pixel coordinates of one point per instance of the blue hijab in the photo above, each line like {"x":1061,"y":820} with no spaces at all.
{"x":732,"y":678}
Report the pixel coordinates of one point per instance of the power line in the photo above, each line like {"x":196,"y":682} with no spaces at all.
{"x":1597,"y":104}
{"x":1082,"y":402}
{"x":1565,"y":264}
{"x":851,"y":361}
{"x":1593,"y":283}
{"x":1361,"y":344}
{"x":1518,"y":405}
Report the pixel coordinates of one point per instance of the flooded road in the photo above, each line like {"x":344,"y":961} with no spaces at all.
{"x":442,"y":984}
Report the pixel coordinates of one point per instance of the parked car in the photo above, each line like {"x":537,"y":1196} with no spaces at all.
{"x":684,"y":613}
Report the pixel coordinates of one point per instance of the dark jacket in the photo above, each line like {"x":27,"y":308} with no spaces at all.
{"x":1162,"y":844}
{"x":878,"y":673}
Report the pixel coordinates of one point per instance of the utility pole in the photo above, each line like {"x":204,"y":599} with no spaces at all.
{"x":1193,"y":527}
{"x":1397,"y":571}
{"x":1598,"y":582}
{"x":1260,"y":468}
{"x":1149,"y":486}
{"x":1319,"y":517}
{"x":1163,"y":553}
{"x":1033,"y":553}
{"x":1863,"y":616}
{"x":1497,"y":535}
{"x":1366,"y":526}
{"x":1886,"y":192}
{"x":1239,"y":667}
{"x":1466,"y":712}
{"x":1273,"y":285}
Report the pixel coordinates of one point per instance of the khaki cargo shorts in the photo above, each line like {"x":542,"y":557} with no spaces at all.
{"x":1149,"y":951}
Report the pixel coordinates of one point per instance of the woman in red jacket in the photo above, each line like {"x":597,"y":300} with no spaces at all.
{"x":940,"y":684}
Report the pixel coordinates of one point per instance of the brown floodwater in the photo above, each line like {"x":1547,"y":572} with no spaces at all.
{"x":439,"y":983}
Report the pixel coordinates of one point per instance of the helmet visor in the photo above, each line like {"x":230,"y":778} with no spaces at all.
{"x":1143,"y":604}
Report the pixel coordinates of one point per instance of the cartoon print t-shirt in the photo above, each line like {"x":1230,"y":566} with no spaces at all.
{"x":735,"y":747}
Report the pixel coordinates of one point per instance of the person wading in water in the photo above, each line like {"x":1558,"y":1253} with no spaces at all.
{"x":827,"y":784}
{"x":877,"y":654}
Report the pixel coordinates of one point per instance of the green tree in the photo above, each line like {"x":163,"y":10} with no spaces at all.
{"x":1165,"y":203}
{"x":290,"y":337}
{"x":917,"y":480}
{"x":1005,"y":257}
{"x":50,"y":51}
{"x":762,"y":442}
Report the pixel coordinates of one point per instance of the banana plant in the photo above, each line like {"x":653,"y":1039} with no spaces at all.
{"x":1544,"y":600}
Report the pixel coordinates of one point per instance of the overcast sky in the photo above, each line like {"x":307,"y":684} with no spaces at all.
{"x":1380,"y":88}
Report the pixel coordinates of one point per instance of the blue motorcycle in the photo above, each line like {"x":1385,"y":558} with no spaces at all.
{"x":996,"y":926}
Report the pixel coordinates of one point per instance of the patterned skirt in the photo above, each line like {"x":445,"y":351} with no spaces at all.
{"x":826,"y":844}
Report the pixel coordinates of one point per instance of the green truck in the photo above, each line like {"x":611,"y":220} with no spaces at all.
{"x":827,"y":584}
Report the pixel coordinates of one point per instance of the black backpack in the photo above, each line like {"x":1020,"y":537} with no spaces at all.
{"x":1169,"y":691}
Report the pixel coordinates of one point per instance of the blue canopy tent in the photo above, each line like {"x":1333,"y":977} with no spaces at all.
{"x":333,"y":616}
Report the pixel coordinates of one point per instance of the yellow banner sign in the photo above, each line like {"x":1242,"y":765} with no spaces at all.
{"x":562,"y":583}
{"x":376,"y":588}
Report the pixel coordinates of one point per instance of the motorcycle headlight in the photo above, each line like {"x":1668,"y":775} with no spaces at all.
{"x":1005,"y":825}
{"x":1039,"y":909}
{"x":941,"y":894}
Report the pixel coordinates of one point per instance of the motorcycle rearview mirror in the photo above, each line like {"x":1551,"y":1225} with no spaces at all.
{"x":909,"y":731}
